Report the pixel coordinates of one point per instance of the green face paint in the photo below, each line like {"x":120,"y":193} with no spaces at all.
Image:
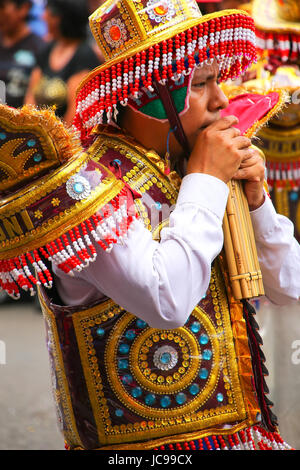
{"x":156,"y":109}
{"x":149,"y":104}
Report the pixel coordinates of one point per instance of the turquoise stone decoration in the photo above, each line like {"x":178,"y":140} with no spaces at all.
{"x":123,"y":364}
{"x":100,"y":332}
{"x":37,"y":157}
{"x":78,"y":187}
{"x":136,"y":392}
{"x":31,"y":143}
{"x":165,"y":358}
{"x":194,"y":389}
{"x":195,"y":327}
{"x":204,"y":339}
{"x":150,"y":399}
{"x":207,"y":354}
{"x":123,"y":348}
{"x":181,"y":398}
{"x":130,"y":335}
{"x":118,"y":161}
{"x":119,"y":413}
{"x":294,"y":196}
{"x":203,"y":374}
{"x":127,"y":379}
{"x":158,"y":206}
{"x":141,"y":323}
{"x":165,"y":401}
{"x":220,"y":397}
{"x":2,"y":136}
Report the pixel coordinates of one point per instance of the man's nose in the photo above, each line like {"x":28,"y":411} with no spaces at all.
{"x":217,"y":99}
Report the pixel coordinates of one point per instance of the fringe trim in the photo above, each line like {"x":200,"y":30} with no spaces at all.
{"x":286,"y":46}
{"x":71,"y":252}
{"x":252,"y":438}
{"x":282,"y":174}
{"x":230,"y":40}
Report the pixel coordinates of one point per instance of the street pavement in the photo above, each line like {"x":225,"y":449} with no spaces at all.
{"x":27,"y":412}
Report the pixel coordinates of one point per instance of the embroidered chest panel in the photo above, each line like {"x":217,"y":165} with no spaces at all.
{"x":146,"y":384}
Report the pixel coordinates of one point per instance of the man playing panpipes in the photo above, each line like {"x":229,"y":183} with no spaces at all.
{"x":149,"y":347}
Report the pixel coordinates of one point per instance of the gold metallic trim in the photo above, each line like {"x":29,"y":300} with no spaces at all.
{"x":151,"y":444}
{"x":280,"y":144}
{"x":43,"y":186}
{"x":281,"y":199}
{"x":283,"y":97}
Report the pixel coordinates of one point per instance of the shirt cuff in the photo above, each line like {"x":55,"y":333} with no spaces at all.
{"x":264,"y":219}
{"x":204,"y":190}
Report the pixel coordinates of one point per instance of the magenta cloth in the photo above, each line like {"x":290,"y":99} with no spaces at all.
{"x":250,"y":108}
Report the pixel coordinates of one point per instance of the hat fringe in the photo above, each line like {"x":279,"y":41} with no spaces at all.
{"x":229,"y":39}
{"x":71,"y":252}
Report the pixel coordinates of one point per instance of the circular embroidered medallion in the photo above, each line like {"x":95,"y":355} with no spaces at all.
{"x":165,"y":358}
{"x":78,"y":187}
{"x":154,"y":372}
{"x":160,"y":12}
{"x":115,"y":32}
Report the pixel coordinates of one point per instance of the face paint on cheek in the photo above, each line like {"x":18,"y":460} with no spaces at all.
{"x":148,"y":103}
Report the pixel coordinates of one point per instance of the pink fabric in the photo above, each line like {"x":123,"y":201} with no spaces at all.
{"x":249,"y":108}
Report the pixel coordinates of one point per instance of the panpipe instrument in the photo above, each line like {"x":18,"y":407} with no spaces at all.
{"x":239,"y":245}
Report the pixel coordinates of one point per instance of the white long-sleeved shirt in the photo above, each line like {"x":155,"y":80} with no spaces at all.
{"x":161,"y":282}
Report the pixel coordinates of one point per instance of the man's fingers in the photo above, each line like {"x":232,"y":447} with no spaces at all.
{"x":225,"y":122}
{"x":244,"y":143}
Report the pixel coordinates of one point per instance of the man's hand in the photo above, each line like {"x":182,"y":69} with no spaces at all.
{"x":220,"y":150}
{"x":252,"y":171}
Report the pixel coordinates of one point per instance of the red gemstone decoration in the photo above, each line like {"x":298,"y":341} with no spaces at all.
{"x":115,"y":33}
{"x":161,"y":9}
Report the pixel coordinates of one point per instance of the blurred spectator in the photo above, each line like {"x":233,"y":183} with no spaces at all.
{"x":66,"y":59}
{"x":36,"y":22}
{"x":18,"y":49}
{"x":216,"y":5}
{"x":94,"y":4}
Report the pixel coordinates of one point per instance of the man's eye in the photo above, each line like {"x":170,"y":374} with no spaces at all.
{"x":200,"y":85}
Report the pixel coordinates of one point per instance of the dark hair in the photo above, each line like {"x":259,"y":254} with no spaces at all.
{"x":74,"y":17}
{"x":19,"y":3}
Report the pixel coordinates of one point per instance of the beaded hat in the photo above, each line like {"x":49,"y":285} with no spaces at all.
{"x":51,"y":192}
{"x":278,"y":28}
{"x":148,"y":41}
